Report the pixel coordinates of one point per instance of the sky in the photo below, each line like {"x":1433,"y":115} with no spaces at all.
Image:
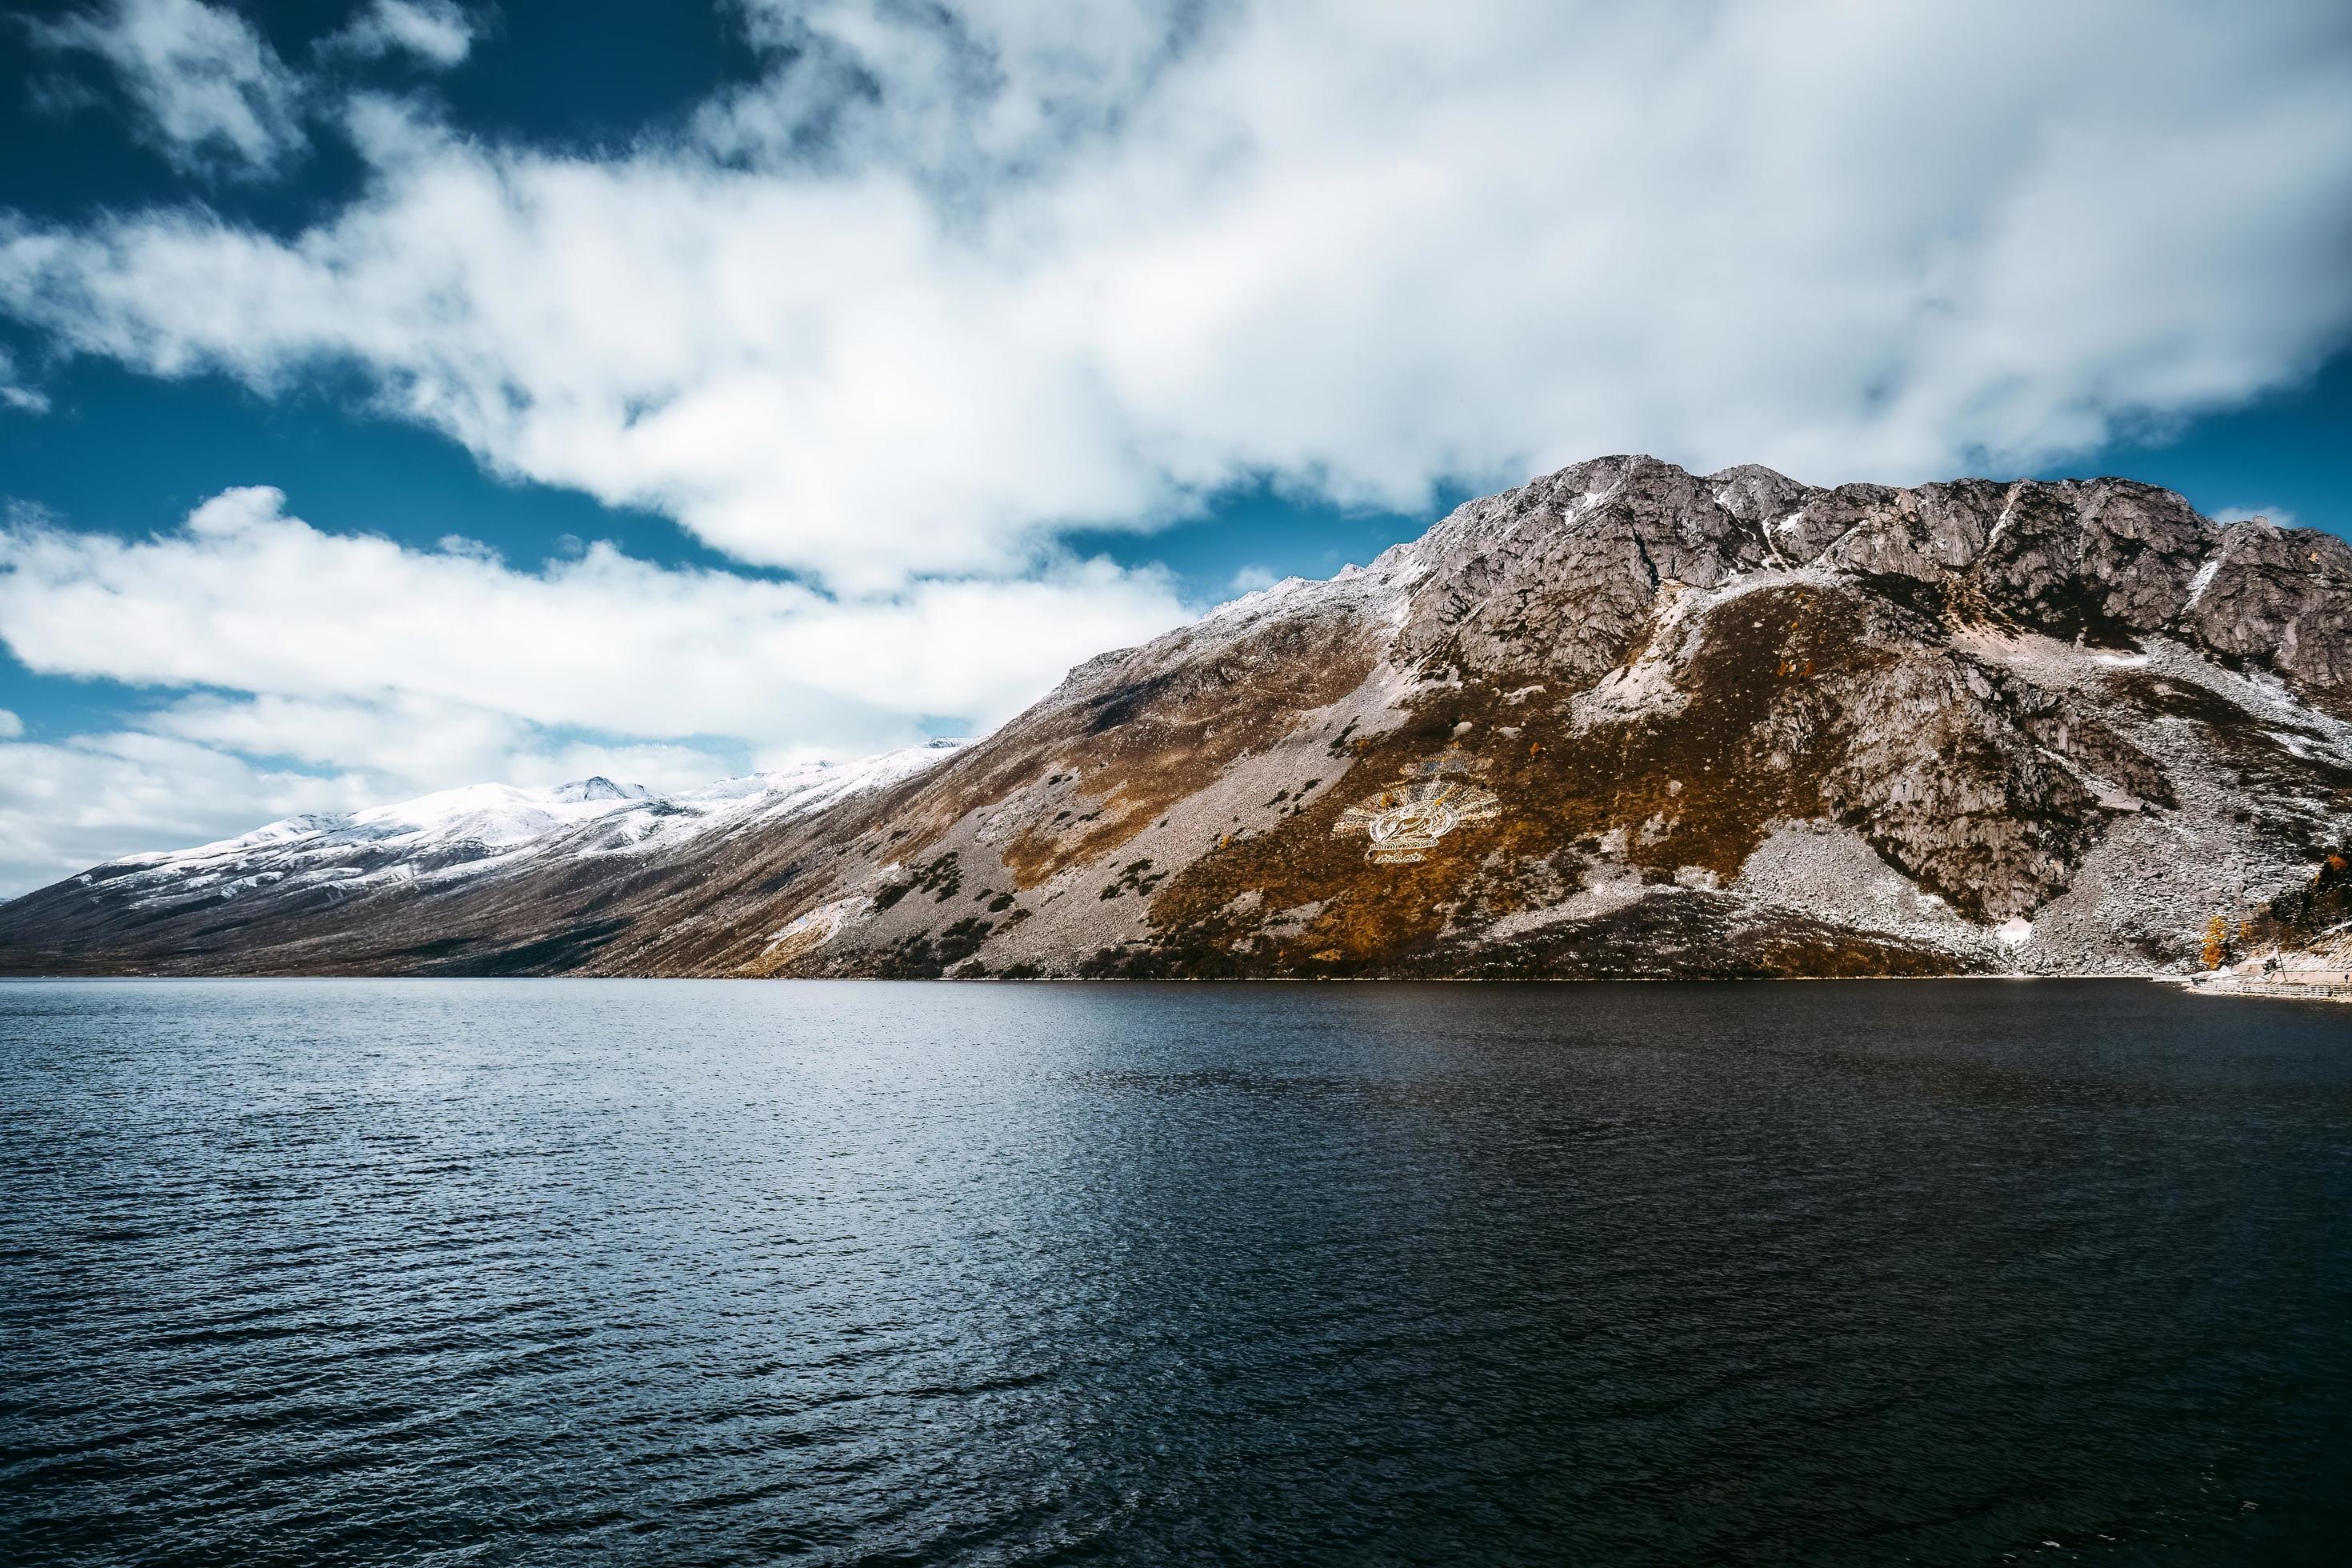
{"x":401,"y":394}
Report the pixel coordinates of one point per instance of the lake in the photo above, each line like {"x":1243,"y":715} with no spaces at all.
{"x":554,"y":1271}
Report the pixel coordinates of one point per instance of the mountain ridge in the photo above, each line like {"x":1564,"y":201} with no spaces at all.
{"x":1621,"y":720}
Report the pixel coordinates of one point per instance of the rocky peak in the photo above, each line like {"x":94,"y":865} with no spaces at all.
{"x":1562,"y":572}
{"x":1622,"y":718}
{"x":2280,"y":596}
{"x":598,"y":788}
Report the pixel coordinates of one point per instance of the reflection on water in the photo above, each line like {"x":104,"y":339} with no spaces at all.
{"x":524,"y":1272}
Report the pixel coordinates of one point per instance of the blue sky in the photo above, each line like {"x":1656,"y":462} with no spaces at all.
{"x":402,"y":392}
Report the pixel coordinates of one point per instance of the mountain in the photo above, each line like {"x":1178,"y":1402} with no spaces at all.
{"x":330,"y":893}
{"x":1622,"y":721}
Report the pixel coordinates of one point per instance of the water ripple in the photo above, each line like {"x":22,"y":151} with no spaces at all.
{"x":490,"y":1272}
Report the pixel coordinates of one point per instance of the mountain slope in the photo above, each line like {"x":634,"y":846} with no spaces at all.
{"x":330,"y":892}
{"x":1623,"y":719}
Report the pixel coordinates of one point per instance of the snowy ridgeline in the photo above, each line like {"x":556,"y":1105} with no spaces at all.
{"x":463,"y":833}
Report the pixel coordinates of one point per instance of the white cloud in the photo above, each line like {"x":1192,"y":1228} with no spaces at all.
{"x":208,"y":89}
{"x":436,"y":32}
{"x":936,"y":287}
{"x":1250,"y":579}
{"x":210,"y":767}
{"x":68,"y":806}
{"x":408,"y":744}
{"x":947,"y":279}
{"x":246,"y":598}
{"x":397,"y":671}
{"x":16,"y":396}
{"x":2278,"y":515}
{"x":965,"y":94}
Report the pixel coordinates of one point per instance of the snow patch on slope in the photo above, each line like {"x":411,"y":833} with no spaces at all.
{"x":2202,"y":581}
{"x":460,"y":834}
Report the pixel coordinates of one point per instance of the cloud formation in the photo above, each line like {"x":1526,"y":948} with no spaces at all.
{"x":247,"y":598}
{"x":390,"y":670}
{"x":437,"y":32}
{"x":15,"y":396}
{"x":946,"y":280}
{"x":70,"y":805}
{"x":207,"y":89}
{"x":937,"y":286}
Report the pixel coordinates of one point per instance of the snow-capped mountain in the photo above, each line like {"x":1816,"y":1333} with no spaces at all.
{"x":1623,"y":719}
{"x":464,"y":835}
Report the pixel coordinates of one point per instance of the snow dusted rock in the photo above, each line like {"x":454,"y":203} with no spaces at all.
{"x":596,"y":789}
{"x":1623,"y":719}
{"x":291,"y":882}
{"x":2281,"y":596}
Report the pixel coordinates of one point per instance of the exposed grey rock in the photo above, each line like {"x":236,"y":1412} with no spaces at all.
{"x":1732,"y":724}
{"x":2280,"y":597}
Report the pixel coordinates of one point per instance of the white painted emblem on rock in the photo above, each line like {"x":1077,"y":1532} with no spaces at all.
{"x":1405,"y":822}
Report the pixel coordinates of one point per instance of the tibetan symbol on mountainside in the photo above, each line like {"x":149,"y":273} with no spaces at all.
{"x":1405,"y":821}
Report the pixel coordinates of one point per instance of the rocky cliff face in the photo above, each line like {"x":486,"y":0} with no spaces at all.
{"x":1624,"y":720}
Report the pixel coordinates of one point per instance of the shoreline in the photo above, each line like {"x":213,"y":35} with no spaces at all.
{"x":2174,"y":980}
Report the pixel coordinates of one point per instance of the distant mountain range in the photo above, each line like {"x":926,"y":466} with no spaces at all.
{"x":300,"y":885}
{"x":1622,"y":721}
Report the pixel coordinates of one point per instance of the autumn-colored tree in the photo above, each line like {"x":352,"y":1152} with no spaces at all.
{"x":2217,"y":942}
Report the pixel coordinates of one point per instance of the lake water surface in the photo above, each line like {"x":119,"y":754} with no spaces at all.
{"x":564,"y":1272}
